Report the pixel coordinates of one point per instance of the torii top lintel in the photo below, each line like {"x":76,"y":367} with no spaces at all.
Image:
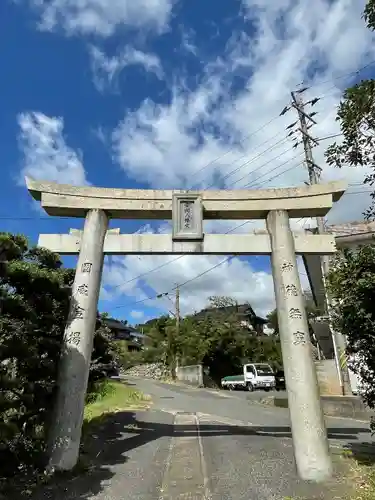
{"x":74,"y":201}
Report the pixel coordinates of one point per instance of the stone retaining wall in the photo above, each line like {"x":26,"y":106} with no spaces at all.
{"x":155,"y":371}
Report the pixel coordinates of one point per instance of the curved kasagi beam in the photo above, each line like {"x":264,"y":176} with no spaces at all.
{"x":74,"y":201}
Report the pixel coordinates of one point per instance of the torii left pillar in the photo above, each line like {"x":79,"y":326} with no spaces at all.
{"x":66,"y":427}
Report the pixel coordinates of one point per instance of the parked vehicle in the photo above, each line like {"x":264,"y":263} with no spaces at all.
{"x":280,"y":380}
{"x":255,"y":376}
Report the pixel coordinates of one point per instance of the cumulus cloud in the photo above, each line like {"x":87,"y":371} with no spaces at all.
{"x":174,"y":144}
{"x":233,"y":277}
{"x":214,"y":135}
{"x":107,"y":69}
{"x":101,"y":17}
{"x":225,"y":130}
{"x":45,"y":154}
{"x":140,"y":279}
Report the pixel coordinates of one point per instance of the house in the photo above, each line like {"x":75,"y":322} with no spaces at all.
{"x":121,"y":331}
{"x":245,"y":313}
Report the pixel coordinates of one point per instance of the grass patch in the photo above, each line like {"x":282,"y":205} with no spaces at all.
{"x":115,"y":397}
{"x":361,"y":473}
{"x":112,"y":397}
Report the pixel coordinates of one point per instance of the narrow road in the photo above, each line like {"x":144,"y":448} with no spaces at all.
{"x":202,"y":444}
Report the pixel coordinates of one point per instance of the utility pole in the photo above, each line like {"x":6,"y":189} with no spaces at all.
{"x":306,"y":122}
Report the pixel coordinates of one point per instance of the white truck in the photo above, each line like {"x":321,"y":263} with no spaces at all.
{"x":255,"y":376}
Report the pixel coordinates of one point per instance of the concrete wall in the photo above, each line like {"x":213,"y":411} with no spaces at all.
{"x":336,"y":406}
{"x":192,"y":375}
{"x":327,"y":377}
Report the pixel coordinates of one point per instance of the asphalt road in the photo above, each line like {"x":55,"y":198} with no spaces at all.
{"x":202,"y":444}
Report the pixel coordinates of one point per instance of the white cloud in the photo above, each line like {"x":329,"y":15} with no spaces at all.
{"x":234,"y":278}
{"x":46,"y":156}
{"x":107,"y":69}
{"x":173,"y":145}
{"x":167,"y":145}
{"x":131,"y":276}
{"x":101,"y":17}
{"x":137,"y":314}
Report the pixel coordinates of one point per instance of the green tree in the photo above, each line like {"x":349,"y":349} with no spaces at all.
{"x":218,"y":301}
{"x":273,"y":322}
{"x":312,"y":312}
{"x":356,"y":115}
{"x":213,"y":337}
{"x":352,"y":285}
{"x":161,"y":344}
{"x":34,"y":301}
{"x":216,"y":337}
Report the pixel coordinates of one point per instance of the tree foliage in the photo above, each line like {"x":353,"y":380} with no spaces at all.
{"x":352,"y":285}
{"x":216,"y":339}
{"x":312,"y":311}
{"x":34,"y":301}
{"x":356,"y":115}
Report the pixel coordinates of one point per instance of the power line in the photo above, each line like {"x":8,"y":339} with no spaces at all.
{"x":251,"y":160}
{"x":174,"y":288}
{"x":358,"y":192}
{"x":272,"y":170}
{"x":281,"y":173}
{"x":231,"y":149}
{"x":261,"y":166}
{"x":227,"y":232}
{"x":190,"y":280}
{"x":351,"y":73}
{"x":176,"y":259}
{"x":181,"y":256}
{"x":330,"y":137}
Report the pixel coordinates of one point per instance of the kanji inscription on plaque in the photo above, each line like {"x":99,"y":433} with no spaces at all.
{"x":187,"y":214}
{"x":187,"y":217}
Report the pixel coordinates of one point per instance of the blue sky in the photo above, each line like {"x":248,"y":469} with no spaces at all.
{"x":145,"y":94}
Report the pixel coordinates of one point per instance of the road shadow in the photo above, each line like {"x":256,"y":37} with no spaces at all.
{"x":109,"y":438}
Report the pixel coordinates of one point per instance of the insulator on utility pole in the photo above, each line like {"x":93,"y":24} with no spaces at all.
{"x":314,"y":101}
{"x":287,"y":108}
{"x":291,"y":125}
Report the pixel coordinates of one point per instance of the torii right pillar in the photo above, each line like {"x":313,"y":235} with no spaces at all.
{"x":310,"y":442}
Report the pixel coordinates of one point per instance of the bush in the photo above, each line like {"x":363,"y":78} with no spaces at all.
{"x":352,"y":285}
{"x":34,"y":304}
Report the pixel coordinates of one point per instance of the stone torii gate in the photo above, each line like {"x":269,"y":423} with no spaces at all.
{"x":187,"y":210}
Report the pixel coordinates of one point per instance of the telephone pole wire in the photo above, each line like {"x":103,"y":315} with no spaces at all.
{"x":306,"y":122}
